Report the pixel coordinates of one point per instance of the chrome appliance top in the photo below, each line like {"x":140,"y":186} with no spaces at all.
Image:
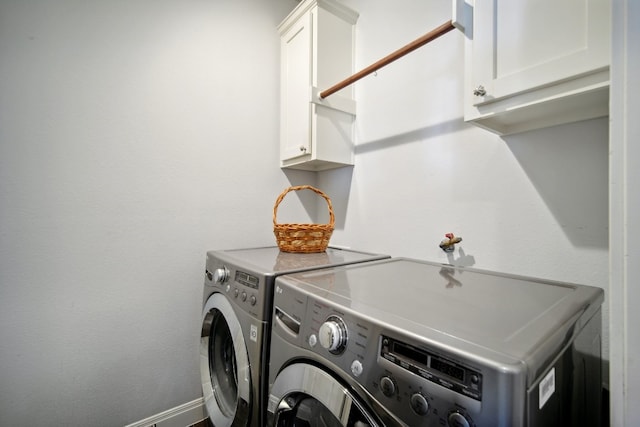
{"x":507,"y":319}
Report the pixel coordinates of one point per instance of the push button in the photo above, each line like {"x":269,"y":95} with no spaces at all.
{"x":356,"y":368}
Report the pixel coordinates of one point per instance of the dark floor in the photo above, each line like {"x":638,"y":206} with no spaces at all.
{"x":605,"y":412}
{"x":605,"y":407}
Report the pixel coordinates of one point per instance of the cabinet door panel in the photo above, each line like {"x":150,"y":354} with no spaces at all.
{"x":295,"y":81}
{"x":521,"y":45}
{"x":316,"y":52}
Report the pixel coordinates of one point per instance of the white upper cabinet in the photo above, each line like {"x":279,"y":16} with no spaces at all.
{"x":317,"y":51}
{"x":536,"y":63}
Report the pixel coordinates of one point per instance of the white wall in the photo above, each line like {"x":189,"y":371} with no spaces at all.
{"x":533,"y":204}
{"x":625,"y":211}
{"x":134,"y":136}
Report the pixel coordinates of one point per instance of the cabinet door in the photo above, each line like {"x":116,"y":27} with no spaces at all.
{"x":295,"y":138}
{"x":521,"y":45}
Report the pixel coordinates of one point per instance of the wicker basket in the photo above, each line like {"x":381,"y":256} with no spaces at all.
{"x":303,"y":238}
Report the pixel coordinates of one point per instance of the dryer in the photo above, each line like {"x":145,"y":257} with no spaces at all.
{"x":236,"y":315}
{"x":402,"y":342}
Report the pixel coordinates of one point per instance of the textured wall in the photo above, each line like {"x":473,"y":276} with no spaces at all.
{"x":533,"y":204}
{"x":134,"y":136}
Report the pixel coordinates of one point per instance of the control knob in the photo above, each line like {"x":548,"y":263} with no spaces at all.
{"x":220,"y":275}
{"x":456,"y":419}
{"x":332,"y":335}
{"x":419,"y":404}
{"x":387,"y":386}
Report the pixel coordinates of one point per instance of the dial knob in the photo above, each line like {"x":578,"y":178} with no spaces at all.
{"x":333,"y":335}
{"x":220,"y":275}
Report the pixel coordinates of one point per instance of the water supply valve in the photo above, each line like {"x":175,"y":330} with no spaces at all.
{"x":448,"y":244}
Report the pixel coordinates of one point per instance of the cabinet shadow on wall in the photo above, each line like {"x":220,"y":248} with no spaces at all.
{"x":310,"y":205}
{"x":436,"y":129}
{"x":339,"y":185}
{"x":569,"y":167}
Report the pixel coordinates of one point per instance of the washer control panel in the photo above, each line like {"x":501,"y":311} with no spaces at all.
{"x":241,"y":287}
{"x":419,"y":385}
{"x":440,"y":389}
{"x":434,"y":367}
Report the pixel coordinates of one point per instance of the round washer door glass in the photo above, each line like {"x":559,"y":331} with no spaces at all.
{"x":224,"y":365}
{"x":306,"y":396}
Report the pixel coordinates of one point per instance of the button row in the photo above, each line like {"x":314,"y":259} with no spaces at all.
{"x":418,"y":402}
{"x":243,"y":296}
{"x":420,"y":405}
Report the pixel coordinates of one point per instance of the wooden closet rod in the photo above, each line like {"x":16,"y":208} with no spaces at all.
{"x":431,"y":35}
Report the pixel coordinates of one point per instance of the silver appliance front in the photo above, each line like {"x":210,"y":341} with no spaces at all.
{"x":236,"y":316}
{"x":224,"y":365}
{"x":423,"y":344}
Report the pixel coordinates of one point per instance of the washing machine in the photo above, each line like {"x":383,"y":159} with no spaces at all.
{"x":237,"y":308}
{"x":401,"y":342}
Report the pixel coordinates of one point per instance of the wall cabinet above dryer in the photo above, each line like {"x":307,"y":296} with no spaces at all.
{"x":317,"y":50}
{"x":536,"y":63}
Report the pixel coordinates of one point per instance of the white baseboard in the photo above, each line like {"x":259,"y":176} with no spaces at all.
{"x":183,"y":415}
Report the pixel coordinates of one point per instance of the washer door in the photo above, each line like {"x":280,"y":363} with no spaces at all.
{"x":224,"y":365}
{"x":305,"y":395}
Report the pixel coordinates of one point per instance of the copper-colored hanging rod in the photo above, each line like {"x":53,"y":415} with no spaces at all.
{"x":431,"y":35}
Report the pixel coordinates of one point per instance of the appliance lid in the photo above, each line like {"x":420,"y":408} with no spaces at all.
{"x":271,"y":261}
{"x":505,"y":318}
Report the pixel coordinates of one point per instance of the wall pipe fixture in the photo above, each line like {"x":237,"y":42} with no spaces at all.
{"x":448,"y":244}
